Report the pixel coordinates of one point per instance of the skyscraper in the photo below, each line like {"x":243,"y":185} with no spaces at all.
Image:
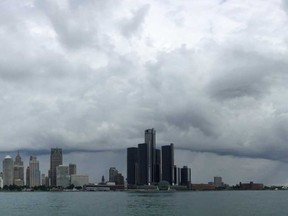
{"x":55,"y":160}
{"x":143,"y":169}
{"x":158,"y":167}
{"x":8,"y":171}
{"x":28,"y":176}
{"x":18,"y":170}
{"x":34,"y":172}
{"x":168,"y":163}
{"x":62,"y":173}
{"x":150,"y":140}
{"x":132,"y":165}
{"x":186,"y":176}
{"x":72,"y":169}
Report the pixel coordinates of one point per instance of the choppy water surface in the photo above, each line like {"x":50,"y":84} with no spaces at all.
{"x":224,"y":203}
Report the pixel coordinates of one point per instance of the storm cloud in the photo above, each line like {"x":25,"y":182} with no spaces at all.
{"x":91,"y":76}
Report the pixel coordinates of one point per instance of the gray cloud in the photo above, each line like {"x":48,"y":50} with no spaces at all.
{"x":132,"y":25}
{"x":73,"y":75}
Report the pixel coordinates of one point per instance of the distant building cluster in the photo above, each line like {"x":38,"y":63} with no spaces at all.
{"x":147,"y":165}
{"x":148,"y":168}
{"x":59,"y":175}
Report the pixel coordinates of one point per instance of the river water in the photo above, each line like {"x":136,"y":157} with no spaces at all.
{"x":218,"y":203}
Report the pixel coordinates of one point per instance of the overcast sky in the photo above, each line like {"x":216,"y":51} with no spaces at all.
{"x":90,"y":76}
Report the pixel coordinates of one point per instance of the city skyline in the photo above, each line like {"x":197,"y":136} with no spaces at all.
{"x":89,"y":76}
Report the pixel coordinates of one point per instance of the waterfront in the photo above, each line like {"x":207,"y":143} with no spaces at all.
{"x":230,"y":203}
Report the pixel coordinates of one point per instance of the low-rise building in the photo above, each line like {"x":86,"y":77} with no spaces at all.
{"x":203,"y":187}
{"x":79,"y":180}
{"x":251,"y":186}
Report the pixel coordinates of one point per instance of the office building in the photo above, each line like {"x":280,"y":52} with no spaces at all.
{"x":218,"y":181}
{"x":79,"y":180}
{"x":28,"y":176}
{"x":150,"y":140}
{"x":132,"y":166}
{"x":56,"y":159}
{"x":62,"y":176}
{"x":18,"y":171}
{"x":1,"y":182}
{"x":186,"y":176}
{"x":168,"y":163}
{"x":112,"y":173}
{"x":43,"y":179}
{"x":8,"y":171}
{"x":72,"y":169}
{"x":158,"y":166}
{"x":34,"y":172}
{"x":119,"y":179}
{"x":143,"y":169}
{"x":176,"y":175}
{"x":251,"y":186}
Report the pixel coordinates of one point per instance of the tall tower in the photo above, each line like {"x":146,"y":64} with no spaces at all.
{"x":150,"y":140}
{"x":18,"y":170}
{"x":168,"y":163}
{"x":143,"y":170}
{"x":56,"y":159}
{"x":8,"y":171}
{"x":132,"y":165}
{"x":34,"y":171}
{"x":28,"y":176}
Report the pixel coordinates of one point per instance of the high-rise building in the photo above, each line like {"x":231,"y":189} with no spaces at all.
{"x":72,"y":169}
{"x":43,"y":179}
{"x":63,"y":178}
{"x":150,"y":140}
{"x":34,"y":172}
{"x":8,"y":171}
{"x":112,"y":173}
{"x":143,"y":169}
{"x":18,"y":170}
{"x":158,"y":167}
{"x":132,"y":165}
{"x":28,"y":176}
{"x":56,"y":159}
{"x":186,"y":176}
{"x":1,"y":182}
{"x":175,"y":175}
{"x":168,"y":163}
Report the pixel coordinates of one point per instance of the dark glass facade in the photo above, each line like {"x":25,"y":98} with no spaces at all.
{"x":132,"y":164}
{"x":185,"y":176}
{"x":168,"y":163}
{"x":56,"y":159}
{"x":143,"y":169}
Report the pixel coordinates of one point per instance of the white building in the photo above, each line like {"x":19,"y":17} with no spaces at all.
{"x":79,"y":180}
{"x":8,"y":170}
{"x":34,"y":171}
{"x":62,"y":176}
{"x":1,"y":182}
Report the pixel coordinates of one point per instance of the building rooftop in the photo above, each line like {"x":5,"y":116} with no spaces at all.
{"x":8,"y":157}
